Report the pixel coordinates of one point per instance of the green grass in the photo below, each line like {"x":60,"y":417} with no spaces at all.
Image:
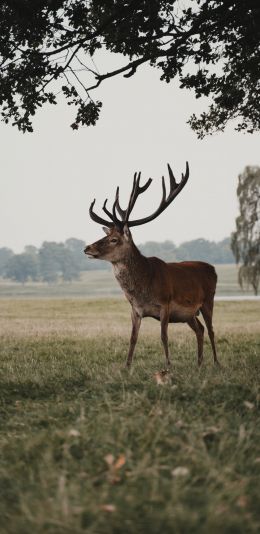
{"x":86,"y":446}
{"x":100,"y":284}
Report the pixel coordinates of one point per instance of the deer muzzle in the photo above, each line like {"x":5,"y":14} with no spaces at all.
{"x":90,"y":252}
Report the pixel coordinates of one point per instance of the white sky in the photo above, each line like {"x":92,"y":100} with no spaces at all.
{"x":49,"y":178}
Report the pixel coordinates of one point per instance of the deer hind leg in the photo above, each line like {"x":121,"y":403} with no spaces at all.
{"x":198,"y":328}
{"x":136,"y":322}
{"x":207,"y":311}
{"x":164,"y":318}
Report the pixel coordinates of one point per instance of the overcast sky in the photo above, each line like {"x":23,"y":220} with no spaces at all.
{"x":49,"y":178}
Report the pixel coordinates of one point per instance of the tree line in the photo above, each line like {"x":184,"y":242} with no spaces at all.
{"x":65,"y":261}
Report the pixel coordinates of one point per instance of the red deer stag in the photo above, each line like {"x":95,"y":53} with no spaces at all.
{"x":168,"y":292}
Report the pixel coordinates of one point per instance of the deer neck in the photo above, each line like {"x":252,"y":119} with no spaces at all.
{"x":132,"y":271}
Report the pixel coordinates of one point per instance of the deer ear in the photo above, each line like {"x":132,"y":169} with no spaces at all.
{"x":106,"y":230}
{"x":127,"y":233}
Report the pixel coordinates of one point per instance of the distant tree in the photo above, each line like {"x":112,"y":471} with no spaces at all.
{"x":21,"y":268}
{"x":197,"y":249}
{"x":76,"y":248}
{"x":70,"y":269}
{"x":223,"y":252}
{"x":56,"y":260}
{"x":49,"y":261}
{"x":5,"y":255}
{"x":165,"y":250}
{"x":31,"y":249}
{"x":48,"y":47}
{"x":245,"y":241}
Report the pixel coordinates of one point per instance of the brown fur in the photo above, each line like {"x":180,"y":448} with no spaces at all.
{"x":168,"y":292}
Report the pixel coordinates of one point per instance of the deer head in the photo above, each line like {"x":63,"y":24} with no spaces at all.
{"x":114,"y":247}
{"x":118,"y":238}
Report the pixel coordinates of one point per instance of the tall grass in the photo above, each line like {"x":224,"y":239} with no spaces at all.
{"x":88,"y":447}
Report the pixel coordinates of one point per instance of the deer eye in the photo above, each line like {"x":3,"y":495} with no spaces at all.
{"x":113,"y":240}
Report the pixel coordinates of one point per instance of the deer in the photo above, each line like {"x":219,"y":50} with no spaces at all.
{"x":175,"y":292}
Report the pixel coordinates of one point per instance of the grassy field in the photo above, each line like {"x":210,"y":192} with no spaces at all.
{"x":86,"y":446}
{"x":100,"y":284}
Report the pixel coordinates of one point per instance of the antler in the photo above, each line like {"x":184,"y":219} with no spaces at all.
{"x":96,"y":217}
{"x":112,"y":216}
{"x":175,"y":189}
{"x":136,"y":191}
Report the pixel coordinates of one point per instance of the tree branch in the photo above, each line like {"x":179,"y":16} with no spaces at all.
{"x":93,"y":35}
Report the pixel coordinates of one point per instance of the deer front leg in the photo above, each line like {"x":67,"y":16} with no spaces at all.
{"x":136,"y":322}
{"x":164,"y":318}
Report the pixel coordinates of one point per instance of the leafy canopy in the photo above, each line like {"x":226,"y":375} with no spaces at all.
{"x":245,"y":241}
{"x":48,"y":48}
